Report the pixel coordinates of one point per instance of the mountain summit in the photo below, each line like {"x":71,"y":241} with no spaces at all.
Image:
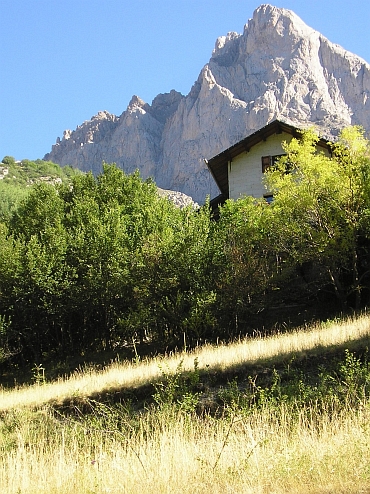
{"x":279,"y":68}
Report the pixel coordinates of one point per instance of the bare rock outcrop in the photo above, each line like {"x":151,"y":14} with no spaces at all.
{"x":277,"y":68}
{"x":180,"y":199}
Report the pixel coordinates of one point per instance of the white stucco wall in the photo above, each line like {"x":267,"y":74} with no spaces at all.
{"x":245,"y":171}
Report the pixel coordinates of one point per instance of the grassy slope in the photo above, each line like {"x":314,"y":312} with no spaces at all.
{"x":250,"y":355}
{"x":27,"y":172}
{"x":278,"y":448}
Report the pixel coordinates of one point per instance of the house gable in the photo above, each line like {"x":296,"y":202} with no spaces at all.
{"x":238,"y":170}
{"x":245,"y":170}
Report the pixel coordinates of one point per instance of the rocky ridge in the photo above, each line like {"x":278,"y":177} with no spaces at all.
{"x":277,"y":68}
{"x":180,"y":199}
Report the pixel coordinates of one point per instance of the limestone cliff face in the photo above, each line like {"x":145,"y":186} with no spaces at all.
{"x":278,"y":68}
{"x":87,"y":146}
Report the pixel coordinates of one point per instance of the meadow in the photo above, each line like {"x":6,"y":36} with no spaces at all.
{"x":268,"y":414}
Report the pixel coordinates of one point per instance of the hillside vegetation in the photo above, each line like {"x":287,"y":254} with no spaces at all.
{"x":233,"y":398}
{"x":253,"y":355}
{"x":17,"y":179}
{"x":97,"y":263}
{"x":285,"y":413}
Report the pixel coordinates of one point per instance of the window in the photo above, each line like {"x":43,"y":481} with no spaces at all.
{"x":268,"y":161}
{"x":268,"y":198}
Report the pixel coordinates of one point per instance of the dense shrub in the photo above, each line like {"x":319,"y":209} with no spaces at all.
{"x":96,"y":262}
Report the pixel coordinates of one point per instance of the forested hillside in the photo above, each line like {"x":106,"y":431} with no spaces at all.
{"x":18,"y":177}
{"x":93,"y":263}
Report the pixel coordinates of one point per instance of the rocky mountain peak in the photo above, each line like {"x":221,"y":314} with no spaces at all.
{"x":279,"y":21}
{"x":165,"y":105}
{"x":226,"y":48}
{"x":277,"y":68}
{"x":104,"y":115}
{"x":137,"y":103}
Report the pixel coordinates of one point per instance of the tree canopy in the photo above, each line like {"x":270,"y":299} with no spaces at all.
{"x":92,"y":263}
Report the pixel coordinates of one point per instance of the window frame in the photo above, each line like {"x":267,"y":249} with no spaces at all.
{"x":269,"y":161}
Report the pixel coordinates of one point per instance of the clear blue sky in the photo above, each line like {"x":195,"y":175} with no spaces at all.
{"x":62,"y":61}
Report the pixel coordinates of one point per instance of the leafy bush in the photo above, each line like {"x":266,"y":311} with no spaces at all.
{"x":95,"y":262}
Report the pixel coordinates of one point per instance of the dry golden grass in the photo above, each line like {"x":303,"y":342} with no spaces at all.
{"x":262,"y":453}
{"x":273,"y":450}
{"x":131,"y":375}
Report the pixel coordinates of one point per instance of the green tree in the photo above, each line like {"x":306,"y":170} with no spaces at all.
{"x":37,"y":293}
{"x":321,"y":208}
{"x":247,"y":262}
{"x":10,"y":256}
{"x":8,"y":160}
{"x":10,"y":197}
{"x":183,"y":277}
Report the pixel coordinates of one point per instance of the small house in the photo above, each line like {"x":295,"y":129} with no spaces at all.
{"x":238,"y":170}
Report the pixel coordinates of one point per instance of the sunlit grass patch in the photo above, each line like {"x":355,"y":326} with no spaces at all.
{"x":290,"y":437}
{"x":131,"y":375}
{"x":176,"y":452}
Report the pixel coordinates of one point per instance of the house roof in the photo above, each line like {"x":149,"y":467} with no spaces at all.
{"x":218,"y":164}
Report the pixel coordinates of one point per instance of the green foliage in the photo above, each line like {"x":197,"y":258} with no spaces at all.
{"x":343,"y":383}
{"x":10,"y":196}
{"x":4,"y":338}
{"x":20,"y":177}
{"x":92,"y":263}
{"x":320,"y":209}
{"x":8,"y":160}
{"x":27,"y":172}
{"x":177,"y":390}
{"x":354,"y":377}
{"x":103,"y":260}
{"x":245,"y":258}
{"x":38,"y":374}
